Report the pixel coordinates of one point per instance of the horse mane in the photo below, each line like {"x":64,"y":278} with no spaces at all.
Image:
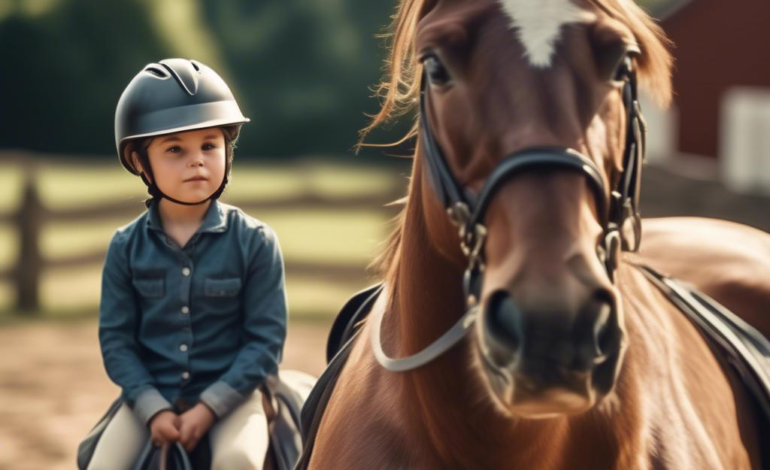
{"x":398,"y":90}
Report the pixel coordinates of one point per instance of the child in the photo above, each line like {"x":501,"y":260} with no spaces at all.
{"x":193,"y":309}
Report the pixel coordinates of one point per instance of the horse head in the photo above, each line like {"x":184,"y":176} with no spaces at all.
{"x":531,"y":140}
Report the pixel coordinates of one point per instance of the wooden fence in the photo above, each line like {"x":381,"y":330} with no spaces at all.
{"x":32,"y":215}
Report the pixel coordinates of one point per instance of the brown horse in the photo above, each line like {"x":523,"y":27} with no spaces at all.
{"x":575,"y":360}
{"x":728,"y":261}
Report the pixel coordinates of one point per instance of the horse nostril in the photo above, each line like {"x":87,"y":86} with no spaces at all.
{"x":503,"y":320}
{"x":605,"y":328}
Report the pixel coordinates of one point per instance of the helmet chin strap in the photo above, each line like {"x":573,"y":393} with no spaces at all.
{"x":155,"y":191}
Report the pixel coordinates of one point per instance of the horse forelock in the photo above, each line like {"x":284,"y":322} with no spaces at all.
{"x":538,"y":25}
{"x":399,"y":87}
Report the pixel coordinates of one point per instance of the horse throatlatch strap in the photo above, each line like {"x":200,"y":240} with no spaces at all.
{"x":428,"y":354}
{"x":624,"y":212}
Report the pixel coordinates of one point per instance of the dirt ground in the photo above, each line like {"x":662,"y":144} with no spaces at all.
{"x":53,"y":387}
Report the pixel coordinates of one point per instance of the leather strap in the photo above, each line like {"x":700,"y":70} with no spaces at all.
{"x":437,"y":348}
{"x":347,"y":321}
{"x":169,"y":453}
{"x":622,"y":211}
{"x":535,"y":159}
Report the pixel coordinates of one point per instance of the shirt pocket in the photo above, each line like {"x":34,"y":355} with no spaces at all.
{"x":222,"y":287}
{"x":151,"y":288}
{"x":222,"y":295}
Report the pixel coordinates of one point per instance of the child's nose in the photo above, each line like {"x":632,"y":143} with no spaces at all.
{"x":196,"y":159}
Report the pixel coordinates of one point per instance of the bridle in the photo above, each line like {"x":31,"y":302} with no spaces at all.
{"x":620,"y":218}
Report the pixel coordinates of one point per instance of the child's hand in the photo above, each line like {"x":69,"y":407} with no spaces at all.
{"x":164,"y":428}
{"x":194,"y":423}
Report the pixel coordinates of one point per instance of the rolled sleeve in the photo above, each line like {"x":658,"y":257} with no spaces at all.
{"x":149,"y":403}
{"x":264,"y":328}
{"x":118,"y":318}
{"x":221,"y":398}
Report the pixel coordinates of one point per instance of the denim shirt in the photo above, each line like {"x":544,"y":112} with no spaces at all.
{"x":205,"y":322}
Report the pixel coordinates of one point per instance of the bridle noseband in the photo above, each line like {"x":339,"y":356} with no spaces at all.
{"x":620,"y":218}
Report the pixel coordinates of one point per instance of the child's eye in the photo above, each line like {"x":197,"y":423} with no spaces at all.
{"x":209,"y":146}
{"x":174,"y":149}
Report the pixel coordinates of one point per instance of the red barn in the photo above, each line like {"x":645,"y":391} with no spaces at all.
{"x":719,"y":45}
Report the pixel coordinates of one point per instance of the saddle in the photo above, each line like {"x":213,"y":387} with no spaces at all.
{"x":738,"y":345}
{"x":283,"y":396}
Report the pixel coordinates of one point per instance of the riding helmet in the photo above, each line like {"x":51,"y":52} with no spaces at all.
{"x":174,"y":95}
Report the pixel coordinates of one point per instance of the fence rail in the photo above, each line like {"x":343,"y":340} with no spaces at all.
{"x":32,"y":215}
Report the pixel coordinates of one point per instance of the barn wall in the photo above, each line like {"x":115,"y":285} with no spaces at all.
{"x":718,"y":44}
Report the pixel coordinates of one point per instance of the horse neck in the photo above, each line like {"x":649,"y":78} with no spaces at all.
{"x":449,"y":401}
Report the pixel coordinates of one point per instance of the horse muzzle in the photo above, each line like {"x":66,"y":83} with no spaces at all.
{"x":546,"y":359}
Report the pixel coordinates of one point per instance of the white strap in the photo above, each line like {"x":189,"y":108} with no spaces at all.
{"x":437,"y":348}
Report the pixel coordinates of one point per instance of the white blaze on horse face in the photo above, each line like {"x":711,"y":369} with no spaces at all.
{"x":538,"y":25}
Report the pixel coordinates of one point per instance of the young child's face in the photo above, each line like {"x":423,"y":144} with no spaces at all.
{"x":188,"y":166}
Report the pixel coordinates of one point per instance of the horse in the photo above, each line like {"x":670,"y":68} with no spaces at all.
{"x":728,"y":261}
{"x":515,"y":327}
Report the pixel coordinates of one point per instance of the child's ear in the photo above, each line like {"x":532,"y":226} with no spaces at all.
{"x":137,"y":163}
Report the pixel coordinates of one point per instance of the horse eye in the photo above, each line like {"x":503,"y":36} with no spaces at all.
{"x":437,"y":73}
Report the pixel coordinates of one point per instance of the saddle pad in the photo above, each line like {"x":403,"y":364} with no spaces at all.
{"x":286,"y":392}
{"x":351,"y":314}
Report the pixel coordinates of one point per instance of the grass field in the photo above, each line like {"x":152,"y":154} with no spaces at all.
{"x":310,"y":235}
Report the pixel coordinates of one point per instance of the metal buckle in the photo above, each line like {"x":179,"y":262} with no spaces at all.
{"x":459,"y":214}
{"x":473,"y":243}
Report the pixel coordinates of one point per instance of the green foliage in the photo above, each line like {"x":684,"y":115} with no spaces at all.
{"x":300,"y":68}
{"x":654,"y":6}
{"x":65,"y":71}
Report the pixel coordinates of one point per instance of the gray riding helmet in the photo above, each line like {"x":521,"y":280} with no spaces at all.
{"x":174,"y":95}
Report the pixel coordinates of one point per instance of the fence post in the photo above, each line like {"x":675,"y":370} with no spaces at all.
{"x":29,"y":221}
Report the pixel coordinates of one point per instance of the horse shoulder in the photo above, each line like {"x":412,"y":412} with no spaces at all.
{"x":728,"y":261}
{"x":687,"y":405}
{"x":362,"y":426}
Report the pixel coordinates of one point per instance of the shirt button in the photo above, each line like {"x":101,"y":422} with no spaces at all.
{"x":186,"y":271}
{"x":183,"y":348}
{"x":185,"y":375}
{"x":185,"y":309}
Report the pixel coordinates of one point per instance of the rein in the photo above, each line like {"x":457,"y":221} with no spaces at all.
{"x":620,"y":218}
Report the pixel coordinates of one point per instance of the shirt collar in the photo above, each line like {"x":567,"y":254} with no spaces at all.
{"x":215,"y":220}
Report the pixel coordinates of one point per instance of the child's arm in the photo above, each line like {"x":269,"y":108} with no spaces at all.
{"x":264,"y":329}
{"x":118,"y":322}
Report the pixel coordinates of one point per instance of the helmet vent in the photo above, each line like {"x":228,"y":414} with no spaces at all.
{"x":196,"y":65}
{"x":184,"y":72}
{"x":158,"y":71}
